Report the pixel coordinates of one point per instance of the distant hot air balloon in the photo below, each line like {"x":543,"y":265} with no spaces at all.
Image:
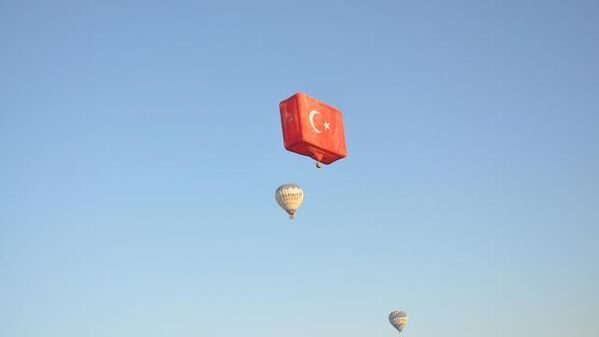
{"x":289,"y":197}
{"x":398,"y":319}
{"x":312,"y":128}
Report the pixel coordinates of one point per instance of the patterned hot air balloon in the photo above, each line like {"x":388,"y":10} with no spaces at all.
{"x":289,"y":197}
{"x":398,"y":319}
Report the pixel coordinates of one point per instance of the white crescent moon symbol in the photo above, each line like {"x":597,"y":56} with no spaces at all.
{"x":312,"y":114}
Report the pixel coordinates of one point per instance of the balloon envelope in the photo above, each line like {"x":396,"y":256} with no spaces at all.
{"x":312,"y":128}
{"x":289,"y":197}
{"x":399,"y":319}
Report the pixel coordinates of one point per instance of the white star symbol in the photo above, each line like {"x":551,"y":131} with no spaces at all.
{"x":326,"y":125}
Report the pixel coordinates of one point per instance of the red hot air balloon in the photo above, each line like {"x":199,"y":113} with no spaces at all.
{"x":312,"y":128}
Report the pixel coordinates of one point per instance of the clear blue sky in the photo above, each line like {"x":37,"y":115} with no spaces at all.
{"x":140,"y":147}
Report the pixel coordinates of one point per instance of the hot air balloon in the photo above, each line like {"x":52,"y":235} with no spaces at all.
{"x":399,"y":319}
{"x":312,"y":128}
{"x":289,"y":197}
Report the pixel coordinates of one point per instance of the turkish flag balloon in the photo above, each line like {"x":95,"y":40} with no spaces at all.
{"x":312,"y":128}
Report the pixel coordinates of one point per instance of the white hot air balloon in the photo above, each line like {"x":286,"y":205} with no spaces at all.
{"x":398,"y":319}
{"x":289,"y":197}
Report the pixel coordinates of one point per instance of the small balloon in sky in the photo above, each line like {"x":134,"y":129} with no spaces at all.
{"x":290,"y":198}
{"x":399,"y":319}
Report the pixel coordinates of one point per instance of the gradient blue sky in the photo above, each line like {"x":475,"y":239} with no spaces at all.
{"x":140,"y":148}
